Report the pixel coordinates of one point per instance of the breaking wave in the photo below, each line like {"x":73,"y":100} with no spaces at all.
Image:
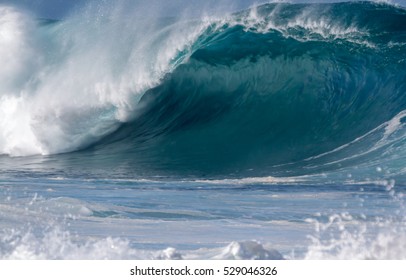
{"x":278,"y":89}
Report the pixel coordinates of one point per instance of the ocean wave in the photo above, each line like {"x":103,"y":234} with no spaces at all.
{"x":280,"y":89}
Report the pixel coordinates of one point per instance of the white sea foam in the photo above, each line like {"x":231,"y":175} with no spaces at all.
{"x":249,"y":250}
{"x":309,"y":25}
{"x":256,"y":180}
{"x":66,"y":228}
{"x":68,"y":84}
{"x":58,"y":244}
{"x":353,"y":244}
{"x":380,"y":239}
{"x":393,"y":125}
{"x":17,"y":49}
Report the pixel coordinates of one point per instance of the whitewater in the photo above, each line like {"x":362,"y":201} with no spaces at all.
{"x":271,"y":132}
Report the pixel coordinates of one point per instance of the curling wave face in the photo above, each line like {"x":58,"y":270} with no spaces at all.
{"x":279,"y":89}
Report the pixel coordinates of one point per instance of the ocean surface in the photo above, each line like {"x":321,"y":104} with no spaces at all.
{"x":273,"y":132}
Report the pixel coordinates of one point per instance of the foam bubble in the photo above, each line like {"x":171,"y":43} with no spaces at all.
{"x":357,"y":239}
